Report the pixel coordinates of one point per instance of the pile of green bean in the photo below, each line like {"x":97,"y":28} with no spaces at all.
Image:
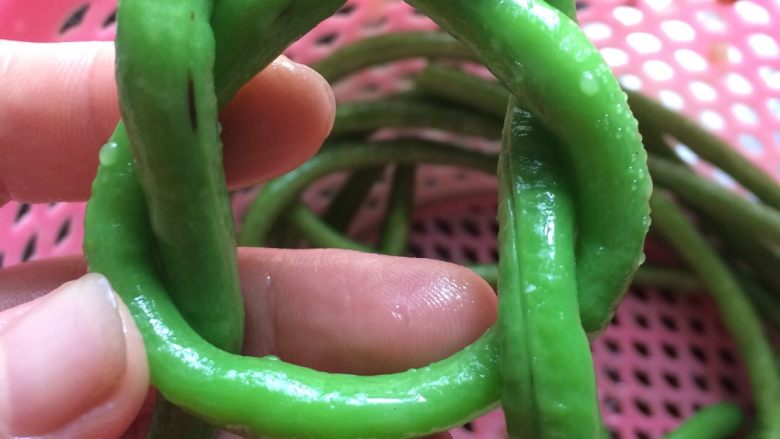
{"x":574,"y":209}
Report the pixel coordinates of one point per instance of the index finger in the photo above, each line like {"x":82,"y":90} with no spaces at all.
{"x":58,"y":106}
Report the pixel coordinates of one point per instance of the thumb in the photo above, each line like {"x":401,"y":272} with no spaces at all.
{"x":72,"y":364}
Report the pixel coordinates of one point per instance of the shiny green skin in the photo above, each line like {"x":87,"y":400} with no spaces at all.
{"x":264,"y":395}
{"x":169,"y":118}
{"x":717,"y":421}
{"x":398,"y":213}
{"x":280,"y":193}
{"x":171,"y":123}
{"x":542,"y":58}
{"x":659,"y":118}
{"x":361,"y":117}
{"x":738,"y":315}
{"x":713,"y":199}
{"x":387,"y":48}
{"x":549,"y":385}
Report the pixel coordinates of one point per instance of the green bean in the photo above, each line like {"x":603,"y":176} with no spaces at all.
{"x":737,"y":313}
{"x":549,"y":389}
{"x":171,"y":120}
{"x":281,"y":192}
{"x":716,"y":421}
{"x":462,"y":88}
{"x":394,"y":113}
{"x":709,"y":147}
{"x":387,"y":48}
{"x":346,"y":203}
{"x":398,"y":213}
{"x":710,"y":197}
{"x":321,"y":234}
{"x":606,"y":158}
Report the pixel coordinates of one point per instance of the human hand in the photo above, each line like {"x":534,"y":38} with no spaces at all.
{"x":72,"y":362}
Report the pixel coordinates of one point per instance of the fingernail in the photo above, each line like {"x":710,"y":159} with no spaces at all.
{"x":62,"y":358}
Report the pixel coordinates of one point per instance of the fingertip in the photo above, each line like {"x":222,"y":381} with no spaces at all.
{"x":276,"y":122}
{"x":351,"y":312}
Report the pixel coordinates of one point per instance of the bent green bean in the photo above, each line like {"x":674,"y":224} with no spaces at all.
{"x":738,"y":315}
{"x":605,"y":156}
{"x":538,"y":293}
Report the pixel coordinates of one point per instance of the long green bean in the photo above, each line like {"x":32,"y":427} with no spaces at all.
{"x":738,"y":315}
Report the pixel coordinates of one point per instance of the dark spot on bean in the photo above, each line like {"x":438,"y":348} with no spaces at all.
{"x":192,"y":16}
{"x":191,"y":102}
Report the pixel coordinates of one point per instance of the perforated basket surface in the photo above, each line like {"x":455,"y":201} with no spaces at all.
{"x":664,"y":355}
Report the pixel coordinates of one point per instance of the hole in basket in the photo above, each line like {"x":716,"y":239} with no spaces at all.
{"x":641,"y":434}
{"x":326,"y":193}
{"x":468,"y":426}
{"x":111,"y":19}
{"x":375,"y":24}
{"x":729,"y":385}
{"x":75,"y":18}
{"x":418,"y":227}
{"x":613,"y":405}
{"x":494,"y":226}
{"x":63,"y":232}
{"x":668,"y":297}
{"x":672,"y":410}
{"x":29,"y":248}
{"x":701,"y":382}
{"x":442,"y":252}
{"x":641,"y":321}
{"x":471,"y":255}
{"x":23,"y":210}
{"x":671,"y":380}
{"x":699,"y":354}
{"x":641,"y":348}
{"x":494,"y":254}
{"x":372,"y":203}
{"x":727,"y":357}
{"x":612,"y":345}
{"x":643,"y":407}
{"x":698,"y":326}
{"x":1,"y":260}
{"x":669,"y":323}
{"x":470,"y":227}
{"x":326,"y":39}
{"x":415,"y":250}
{"x":615,"y":320}
{"x":346,"y":10}
{"x":669,"y":350}
{"x":640,"y":294}
{"x":642,"y":377}
{"x":613,"y":375}
{"x":443,"y":226}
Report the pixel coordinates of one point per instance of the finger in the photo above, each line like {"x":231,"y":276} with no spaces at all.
{"x":350,"y":312}
{"x":72,"y":365}
{"x":58,"y":106}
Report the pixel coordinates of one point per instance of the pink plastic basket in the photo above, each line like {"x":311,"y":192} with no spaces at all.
{"x":664,"y":355}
